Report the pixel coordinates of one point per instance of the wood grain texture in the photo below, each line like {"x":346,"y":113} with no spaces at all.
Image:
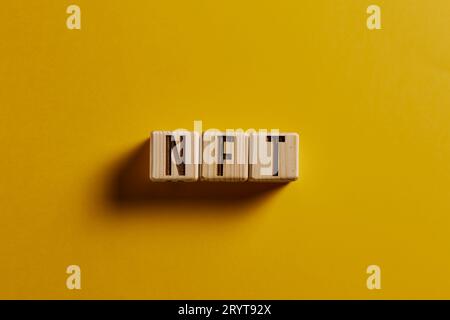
{"x":270,"y":168}
{"x":235,"y":166}
{"x":164,"y":148}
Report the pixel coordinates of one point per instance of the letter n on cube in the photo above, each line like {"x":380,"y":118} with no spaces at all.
{"x":174,"y":155}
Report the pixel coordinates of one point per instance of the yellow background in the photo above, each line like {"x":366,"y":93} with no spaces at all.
{"x":372,"y":109}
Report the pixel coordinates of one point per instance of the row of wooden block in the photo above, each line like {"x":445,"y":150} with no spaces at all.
{"x":223,"y":156}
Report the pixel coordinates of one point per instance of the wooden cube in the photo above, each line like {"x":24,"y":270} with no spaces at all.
{"x":274,"y":157}
{"x":174,"y":155}
{"x":224,"y":156}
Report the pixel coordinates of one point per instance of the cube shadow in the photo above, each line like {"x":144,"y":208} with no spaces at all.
{"x":130,"y":184}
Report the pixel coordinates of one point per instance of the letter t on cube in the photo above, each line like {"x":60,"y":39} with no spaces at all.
{"x":273,"y":157}
{"x":174,"y":155}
